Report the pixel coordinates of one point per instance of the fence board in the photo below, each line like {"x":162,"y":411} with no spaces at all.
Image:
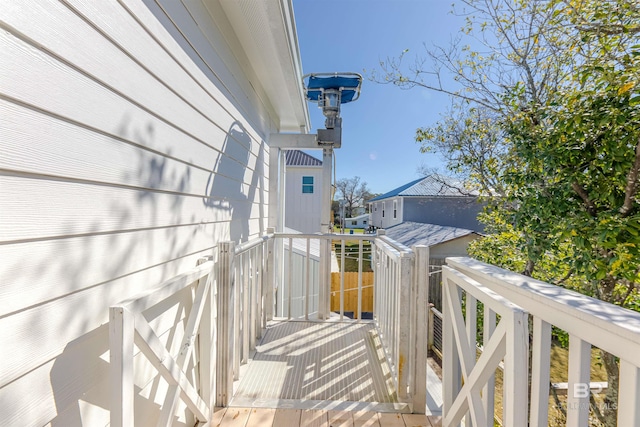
{"x":351,"y":291}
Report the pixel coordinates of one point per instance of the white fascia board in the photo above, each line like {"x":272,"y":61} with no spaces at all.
{"x":266,"y":30}
{"x":293,"y":141}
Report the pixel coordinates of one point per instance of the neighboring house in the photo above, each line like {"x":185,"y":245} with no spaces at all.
{"x":443,"y":241}
{"x":360,"y":221}
{"x":303,"y":193}
{"x":135,"y":139}
{"x":433,"y":199}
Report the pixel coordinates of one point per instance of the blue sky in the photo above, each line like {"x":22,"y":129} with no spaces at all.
{"x":378,"y":142}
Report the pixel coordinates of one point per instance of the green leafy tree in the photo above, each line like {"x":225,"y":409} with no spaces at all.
{"x":556,"y":92}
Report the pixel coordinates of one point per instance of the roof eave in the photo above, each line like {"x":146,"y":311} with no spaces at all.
{"x":267,"y":32}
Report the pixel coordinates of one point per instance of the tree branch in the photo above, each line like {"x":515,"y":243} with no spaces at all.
{"x":588,"y":203}
{"x":632,"y":185}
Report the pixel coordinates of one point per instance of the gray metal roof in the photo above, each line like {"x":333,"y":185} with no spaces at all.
{"x":432,"y":185}
{"x":300,"y":158}
{"x":415,"y":233}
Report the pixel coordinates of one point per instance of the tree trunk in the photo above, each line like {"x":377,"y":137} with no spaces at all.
{"x":609,"y":408}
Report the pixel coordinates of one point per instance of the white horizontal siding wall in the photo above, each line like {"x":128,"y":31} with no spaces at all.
{"x":302,"y":210}
{"x":130,"y":148}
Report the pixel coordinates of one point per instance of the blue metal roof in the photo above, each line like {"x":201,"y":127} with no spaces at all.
{"x":415,"y":233}
{"x":397,"y":191}
{"x":432,"y":185}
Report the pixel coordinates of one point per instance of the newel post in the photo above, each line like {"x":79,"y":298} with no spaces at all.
{"x":270,"y":282}
{"x":206,"y":337}
{"x":421,"y":298}
{"x":225,"y":308}
{"x":407,"y":328}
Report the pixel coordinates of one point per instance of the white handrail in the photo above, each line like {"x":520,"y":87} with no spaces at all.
{"x":587,"y":320}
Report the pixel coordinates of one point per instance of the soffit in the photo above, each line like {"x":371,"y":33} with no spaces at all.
{"x":266,"y":30}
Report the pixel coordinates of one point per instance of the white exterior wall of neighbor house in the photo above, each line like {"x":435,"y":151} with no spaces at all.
{"x":302,"y":211}
{"x":455,"y":247}
{"x":387,"y":213}
{"x":360,"y":221}
{"x":133,"y":141}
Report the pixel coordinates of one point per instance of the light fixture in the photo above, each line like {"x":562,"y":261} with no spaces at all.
{"x":330,"y":90}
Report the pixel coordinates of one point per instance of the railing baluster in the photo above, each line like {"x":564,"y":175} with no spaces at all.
{"x":342,"y":271}
{"x":290,"y":279}
{"x":471,"y":324}
{"x":579,"y":382}
{"x":226,"y":310}
{"x":516,"y":372}
{"x":307,"y":280}
{"x":121,"y":336}
{"x":270,"y":277}
{"x":421,"y":308}
{"x":629,"y":394}
{"x":246,"y":308}
{"x":260,"y":303}
{"x":540,"y":372}
{"x":236,"y":326}
{"x":489,"y":390}
{"x":360,"y":257}
{"x":451,"y":374}
{"x":405,"y":326}
{"x":253,"y":297}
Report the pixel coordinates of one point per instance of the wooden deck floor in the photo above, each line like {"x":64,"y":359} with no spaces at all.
{"x":312,"y":365}
{"x":266,"y":417}
{"x":322,"y":374}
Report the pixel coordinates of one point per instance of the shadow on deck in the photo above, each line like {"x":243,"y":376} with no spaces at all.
{"x":330,"y":365}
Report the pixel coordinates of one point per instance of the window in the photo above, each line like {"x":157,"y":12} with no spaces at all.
{"x":354,"y":222}
{"x":307,"y":184}
{"x":395,"y":209}
{"x":364,"y":222}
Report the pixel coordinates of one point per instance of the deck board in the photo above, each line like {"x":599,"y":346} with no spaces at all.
{"x":306,"y":363}
{"x":325,"y":374}
{"x":262,"y":417}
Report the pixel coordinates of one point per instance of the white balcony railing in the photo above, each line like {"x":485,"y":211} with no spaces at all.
{"x":230,"y":305}
{"x":467,"y":383}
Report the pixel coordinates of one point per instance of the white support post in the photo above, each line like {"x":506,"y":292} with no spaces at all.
{"x":342,"y":271}
{"x":471,"y":322}
{"x":430,"y":327}
{"x":421,"y":275}
{"x":540,"y":372}
{"x":325,"y":244}
{"x":260,"y":288}
{"x":225,"y":308}
{"x":207,"y":343}
{"x":579,"y":382}
{"x":405,"y":329}
{"x":290,"y":278}
{"x":516,"y":369}
{"x":253,"y":257}
{"x":270,"y":282}
{"x":629,"y":394}
{"x":236,"y":325}
{"x":307,"y":280}
{"x":451,"y":371}
{"x":121,"y":338}
{"x":246,"y":308}
{"x":360,"y":257}
{"x":488,"y":391}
